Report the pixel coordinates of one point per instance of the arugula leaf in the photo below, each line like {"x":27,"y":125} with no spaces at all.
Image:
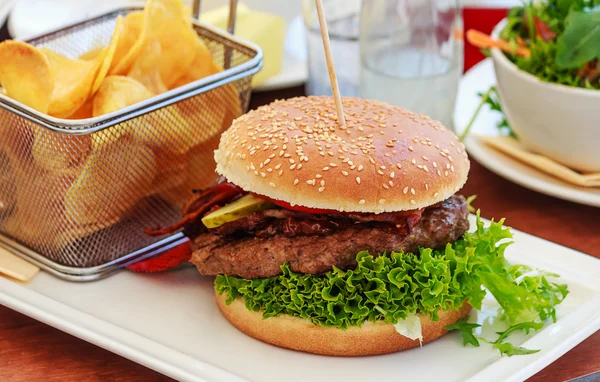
{"x":510,"y":350}
{"x":466,"y":331}
{"x":525,"y":326}
{"x":580,"y":42}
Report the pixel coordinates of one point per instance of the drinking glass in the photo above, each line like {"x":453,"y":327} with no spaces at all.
{"x":343,"y":23}
{"x":411,"y":54}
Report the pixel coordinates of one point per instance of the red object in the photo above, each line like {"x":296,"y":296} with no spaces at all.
{"x":171,"y":259}
{"x":483,"y":20}
{"x":543,"y":30}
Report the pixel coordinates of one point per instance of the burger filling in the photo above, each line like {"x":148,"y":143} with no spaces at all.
{"x":258,"y":245}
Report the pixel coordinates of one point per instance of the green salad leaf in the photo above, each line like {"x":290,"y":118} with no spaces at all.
{"x":580,"y":43}
{"x":466,"y":331}
{"x":390,"y":287}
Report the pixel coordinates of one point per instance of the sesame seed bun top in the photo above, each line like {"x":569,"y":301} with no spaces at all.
{"x":386,"y":159}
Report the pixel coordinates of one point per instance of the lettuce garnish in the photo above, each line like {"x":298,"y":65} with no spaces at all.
{"x":392,"y":287}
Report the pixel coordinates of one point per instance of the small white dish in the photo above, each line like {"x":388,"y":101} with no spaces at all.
{"x":558,"y":121}
{"x":478,"y":80}
{"x":169,"y":322}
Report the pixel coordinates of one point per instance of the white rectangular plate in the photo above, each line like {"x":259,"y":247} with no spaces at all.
{"x":169,"y":322}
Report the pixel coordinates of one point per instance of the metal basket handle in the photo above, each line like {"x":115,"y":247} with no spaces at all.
{"x":230,"y":25}
{"x":232,"y":14}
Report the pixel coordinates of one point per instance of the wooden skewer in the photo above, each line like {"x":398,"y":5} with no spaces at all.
{"x":482,"y":40}
{"x":330,"y":64}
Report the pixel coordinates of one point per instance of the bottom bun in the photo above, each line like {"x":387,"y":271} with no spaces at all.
{"x":301,"y":334}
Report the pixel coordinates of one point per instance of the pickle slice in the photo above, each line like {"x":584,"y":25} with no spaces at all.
{"x":244,"y":206}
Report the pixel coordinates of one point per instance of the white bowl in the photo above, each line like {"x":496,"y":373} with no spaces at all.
{"x":558,"y":121}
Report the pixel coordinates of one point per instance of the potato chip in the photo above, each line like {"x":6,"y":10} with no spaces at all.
{"x":57,"y":152}
{"x":98,"y":195}
{"x":133,"y":40}
{"x":85,"y":111}
{"x":118,"y":92}
{"x":146,"y":70}
{"x":39,"y":200}
{"x":73,"y":82}
{"x":107,"y":55}
{"x":91,"y":55}
{"x":26,"y":74}
{"x":167,"y":22}
{"x":202,"y":65}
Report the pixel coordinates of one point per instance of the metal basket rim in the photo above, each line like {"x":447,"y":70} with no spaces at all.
{"x":91,"y":125}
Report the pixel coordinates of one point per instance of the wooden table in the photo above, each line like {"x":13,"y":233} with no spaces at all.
{"x":32,"y":351}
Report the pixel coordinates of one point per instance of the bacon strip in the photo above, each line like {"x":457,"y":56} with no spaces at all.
{"x":197,"y":206}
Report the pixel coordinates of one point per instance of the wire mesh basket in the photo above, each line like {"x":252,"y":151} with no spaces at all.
{"x":76,"y":195}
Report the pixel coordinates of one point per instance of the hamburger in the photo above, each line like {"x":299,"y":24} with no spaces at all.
{"x":347,"y":241}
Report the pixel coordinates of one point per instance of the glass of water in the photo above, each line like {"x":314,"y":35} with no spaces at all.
{"x":343,"y":23}
{"x":411,"y":54}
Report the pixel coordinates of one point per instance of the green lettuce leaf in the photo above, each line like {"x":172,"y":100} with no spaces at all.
{"x":390,"y":287}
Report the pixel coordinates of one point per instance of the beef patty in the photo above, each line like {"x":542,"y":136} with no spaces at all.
{"x":256,"y":257}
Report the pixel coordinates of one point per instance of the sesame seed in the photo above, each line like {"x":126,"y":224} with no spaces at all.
{"x":426,"y":186}
{"x":413,"y":202}
{"x":280,"y":172}
{"x":405,"y":191}
{"x":357,"y":180}
{"x":380,"y":172}
{"x":410,"y":148}
{"x":345,"y":173}
{"x":381,"y":201}
{"x":413,"y":161}
{"x":318,"y":176}
{"x":362,"y":201}
{"x":322,"y":183}
{"x":267,"y":161}
{"x":434,"y":165}
{"x":296,"y":181}
{"x":391,"y":183}
{"x":386,"y":186}
{"x":333,"y":164}
{"x":293,"y":166}
{"x":412,"y":191}
{"x":360,"y":167}
{"x":398,"y":165}
{"x":321,"y":189}
{"x":269,"y":169}
{"x":425,"y":168}
{"x":278,"y":166}
{"x":325,"y":168}
{"x":263,"y":174}
{"x":299,"y":166}
{"x":255,"y":172}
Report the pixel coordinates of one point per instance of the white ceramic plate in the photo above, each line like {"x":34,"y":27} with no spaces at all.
{"x":479,"y":79}
{"x":170,"y":323}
